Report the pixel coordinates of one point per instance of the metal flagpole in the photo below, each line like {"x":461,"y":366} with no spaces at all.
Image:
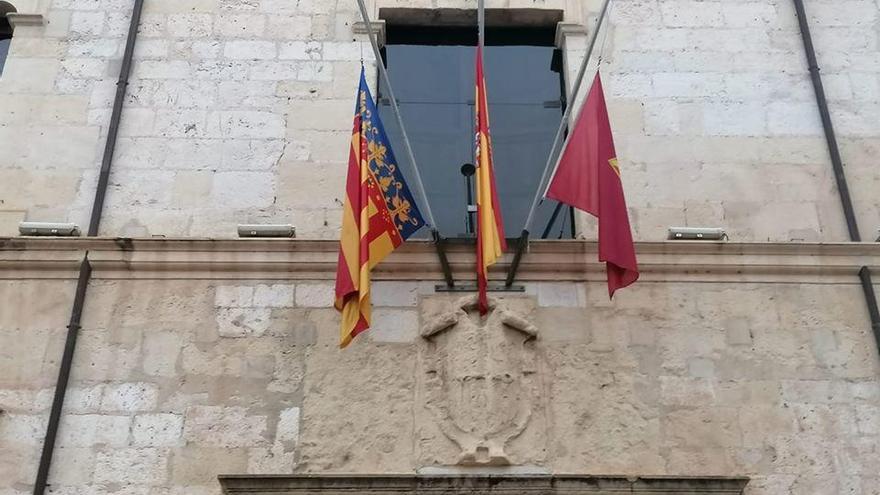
{"x":481,"y":22}
{"x":396,"y":110}
{"x":435,"y":234}
{"x":567,"y":114}
{"x":563,"y":124}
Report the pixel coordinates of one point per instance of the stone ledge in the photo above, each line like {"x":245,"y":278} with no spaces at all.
{"x":165,"y":258}
{"x":16,"y":19}
{"x":479,"y":485}
{"x":378,"y":27}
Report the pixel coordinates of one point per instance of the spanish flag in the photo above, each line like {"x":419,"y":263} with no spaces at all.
{"x":379,"y":214}
{"x":588,"y":178}
{"x":490,"y":228}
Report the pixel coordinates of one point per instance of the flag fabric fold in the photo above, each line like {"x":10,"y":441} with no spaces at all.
{"x":379,"y":214}
{"x":490,"y":229}
{"x":588,"y":178}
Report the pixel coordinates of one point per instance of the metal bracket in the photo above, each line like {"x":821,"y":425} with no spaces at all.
{"x":473,"y":288}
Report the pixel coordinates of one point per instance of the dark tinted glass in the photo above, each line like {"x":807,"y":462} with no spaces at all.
{"x":4,"y":50}
{"x":435,"y":88}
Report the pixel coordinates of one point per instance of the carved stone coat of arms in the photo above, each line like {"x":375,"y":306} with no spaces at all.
{"x":480,"y":382}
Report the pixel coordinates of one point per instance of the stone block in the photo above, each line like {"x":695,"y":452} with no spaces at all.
{"x":315,"y":295}
{"x":192,"y":188}
{"x":288,"y":426}
{"x":563,"y":325}
{"x":687,"y":84}
{"x":394,"y":326}
{"x":243,"y":322}
{"x":234,"y":296}
{"x":211,"y":362}
{"x":289,"y":27}
{"x":272,"y":460}
{"x":94,"y":47}
{"x":868,"y":419}
{"x":749,"y":14}
{"x":240,"y":25}
{"x":157,"y":430}
{"x":681,"y":13}
{"x":84,"y":399}
{"x":561,"y":294}
{"x":200,"y":465}
{"x":73,"y":466}
{"x":734,"y":118}
{"x":87,"y":23}
{"x":22,"y":429}
{"x":317,"y":115}
{"x":130,"y":397}
{"x":147,"y":466}
{"x":195,"y":25}
{"x":716,"y":427}
{"x":273,"y":296}
{"x":793,"y":118}
{"x":226,"y":427}
{"x":249,"y":124}
{"x":87,"y":430}
{"x":401,"y":294}
{"x":162,"y":69}
{"x":250,"y":50}
{"x":300,"y":50}
{"x":243,"y":189}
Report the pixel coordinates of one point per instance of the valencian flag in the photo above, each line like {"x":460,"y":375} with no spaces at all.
{"x":379,"y":214}
{"x":490,"y":229}
{"x":588,"y":178}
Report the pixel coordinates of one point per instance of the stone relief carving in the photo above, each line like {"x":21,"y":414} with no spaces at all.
{"x":480,"y":378}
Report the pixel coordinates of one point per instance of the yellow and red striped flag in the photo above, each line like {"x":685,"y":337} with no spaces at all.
{"x":379,"y":214}
{"x":490,"y":228}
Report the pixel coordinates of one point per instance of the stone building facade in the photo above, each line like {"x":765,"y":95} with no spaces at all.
{"x":202,"y":355}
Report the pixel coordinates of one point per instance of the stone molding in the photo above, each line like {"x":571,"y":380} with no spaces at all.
{"x":566,"y":29}
{"x":266,"y":259}
{"x":479,"y":485}
{"x":17,"y":19}
{"x":378,"y":25}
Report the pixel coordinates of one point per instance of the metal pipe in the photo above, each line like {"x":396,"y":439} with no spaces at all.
{"x":82,"y":283}
{"x":481,"y":23}
{"x":85,"y":271}
{"x":563,"y":124}
{"x":396,"y":110}
{"x":830,"y":137}
{"x":837,"y":165}
{"x":115,"y":115}
{"x":871,"y":299}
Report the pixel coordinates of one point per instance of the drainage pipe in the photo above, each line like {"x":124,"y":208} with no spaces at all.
{"x":837,"y":165}
{"x":85,"y":270}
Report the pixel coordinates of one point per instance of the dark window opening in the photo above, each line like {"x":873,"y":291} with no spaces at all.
{"x":5,"y":32}
{"x":431,"y":66}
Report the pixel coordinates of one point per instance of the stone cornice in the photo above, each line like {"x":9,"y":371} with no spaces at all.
{"x":479,"y":485}
{"x":378,"y":26}
{"x":161,"y":258}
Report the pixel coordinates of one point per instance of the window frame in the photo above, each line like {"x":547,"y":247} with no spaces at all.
{"x":496,"y":35}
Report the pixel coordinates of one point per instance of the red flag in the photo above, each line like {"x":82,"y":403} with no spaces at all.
{"x":588,"y":178}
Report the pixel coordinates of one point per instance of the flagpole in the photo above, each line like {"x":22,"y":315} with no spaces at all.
{"x":563,"y":124}
{"x":435,"y":234}
{"x":396,"y":110}
{"x":481,"y":22}
{"x":566,"y":115}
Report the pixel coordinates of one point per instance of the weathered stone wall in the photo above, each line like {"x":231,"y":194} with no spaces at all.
{"x":239,"y":111}
{"x":177,"y":381}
